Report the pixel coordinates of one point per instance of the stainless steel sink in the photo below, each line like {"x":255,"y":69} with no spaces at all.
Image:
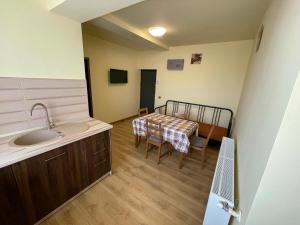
{"x":37,"y":137}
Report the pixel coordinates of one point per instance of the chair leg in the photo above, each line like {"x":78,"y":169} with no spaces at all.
{"x":147,"y":149}
{"x":203,"y":156}
{"x":181,"y":158}
{"x":136,"y":141}
{"x":159,"y":154}
{"x":170,"y":149}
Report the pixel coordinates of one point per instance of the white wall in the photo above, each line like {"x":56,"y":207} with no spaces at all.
{"x":276,"y":200}
{"x":112,"y":102}
{"x":36,"y":43}
{"x":217,"y":81}
{"x":270,"y":79}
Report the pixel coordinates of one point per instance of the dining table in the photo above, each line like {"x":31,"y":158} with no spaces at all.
{"x":176,"y":131}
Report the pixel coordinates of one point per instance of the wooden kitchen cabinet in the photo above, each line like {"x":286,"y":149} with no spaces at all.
{"x":12,"y":211}
{"x":46,"y":181}
{"x":96,"y":150}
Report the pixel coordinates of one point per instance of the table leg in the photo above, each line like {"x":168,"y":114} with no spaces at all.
{"x":181,"y":158}
{"x":196,"y":133}
{"x":136,"y":141}
{"x":170,"y":150}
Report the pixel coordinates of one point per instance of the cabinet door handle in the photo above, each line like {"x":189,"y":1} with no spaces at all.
{"x":54,"y":157}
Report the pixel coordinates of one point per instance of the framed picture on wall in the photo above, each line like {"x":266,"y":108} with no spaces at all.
{"x":196,"y":58}
{"x":175,"y":64}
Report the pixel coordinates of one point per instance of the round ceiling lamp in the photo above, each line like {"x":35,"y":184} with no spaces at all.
{"x":157,"y":31}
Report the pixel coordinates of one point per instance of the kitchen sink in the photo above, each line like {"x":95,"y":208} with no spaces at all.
{"x":43,"y":136}
{"x":37,"y":137}
{"x":72,"y":128}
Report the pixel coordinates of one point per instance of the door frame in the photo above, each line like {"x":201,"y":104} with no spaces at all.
{"x":88,"y":85}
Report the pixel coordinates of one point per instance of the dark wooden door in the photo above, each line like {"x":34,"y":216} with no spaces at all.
{"x":148,"y":84}
{"x":12,"y":211}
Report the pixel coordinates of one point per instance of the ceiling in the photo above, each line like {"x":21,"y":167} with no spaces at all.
{"x":114,"y":30}
{"x":80,"y":11}
{"x":187,"y":21}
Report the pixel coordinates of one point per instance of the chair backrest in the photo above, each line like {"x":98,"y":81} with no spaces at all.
{"x":209,"y":135}
{"x":180,"y":115}
{"x":143,"y":111}
{"x":154,"y":129}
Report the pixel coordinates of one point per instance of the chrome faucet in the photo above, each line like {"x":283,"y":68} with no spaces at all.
{"x":50,"y":124}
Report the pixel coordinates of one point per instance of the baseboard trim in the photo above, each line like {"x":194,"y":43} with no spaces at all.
{"x":122,"y":120}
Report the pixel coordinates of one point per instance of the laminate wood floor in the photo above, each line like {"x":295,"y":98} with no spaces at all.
{"x":140,"y":191}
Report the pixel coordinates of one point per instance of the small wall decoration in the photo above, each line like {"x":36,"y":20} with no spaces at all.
{"x":175,"y":64}
{"x":196,"y":58}
{"x":259,"y":37}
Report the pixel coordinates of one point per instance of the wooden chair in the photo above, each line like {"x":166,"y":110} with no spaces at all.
{"x":180,"y":115}
{"x":200,"y":144}
{"x":143,"y":111}
{"x":155,"y":138}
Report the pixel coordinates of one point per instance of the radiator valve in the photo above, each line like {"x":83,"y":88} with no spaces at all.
{"x":233,"y":212}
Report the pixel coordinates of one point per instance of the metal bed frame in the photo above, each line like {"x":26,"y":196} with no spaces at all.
{"x":201,"y":112}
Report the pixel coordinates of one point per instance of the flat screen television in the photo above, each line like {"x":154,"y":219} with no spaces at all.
{"x":118,"y":76}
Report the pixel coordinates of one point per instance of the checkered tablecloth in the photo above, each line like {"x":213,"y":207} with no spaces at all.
{"x":175,"y":130}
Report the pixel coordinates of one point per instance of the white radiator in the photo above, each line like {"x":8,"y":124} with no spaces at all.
{"x":221,"y":198}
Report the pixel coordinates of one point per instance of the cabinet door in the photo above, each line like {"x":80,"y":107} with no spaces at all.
{"x":77,"y":167}
{"x":97,"y":154}
{"x":12,"y":211}
{"x":48,"y":180}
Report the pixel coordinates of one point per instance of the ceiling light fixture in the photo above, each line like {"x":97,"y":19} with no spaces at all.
{"x":157,"y":31}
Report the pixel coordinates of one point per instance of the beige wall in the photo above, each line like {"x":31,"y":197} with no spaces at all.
{"x":276,"y":200}
{"x":36,"y":43}
{"x":270,"y":79}
{"x":217,"y":81}
{"x":112,"y":102}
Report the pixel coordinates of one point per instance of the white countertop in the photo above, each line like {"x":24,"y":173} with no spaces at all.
{"x":10,"y":154}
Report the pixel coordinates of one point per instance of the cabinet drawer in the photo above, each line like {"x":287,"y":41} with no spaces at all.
{"x":100,"y":168}
{"x":97,"y":153}
{"x":101,"y":142}
{"x":99,"y":156}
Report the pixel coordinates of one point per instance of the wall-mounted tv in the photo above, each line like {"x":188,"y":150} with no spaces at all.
{"x":118,"y":76}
